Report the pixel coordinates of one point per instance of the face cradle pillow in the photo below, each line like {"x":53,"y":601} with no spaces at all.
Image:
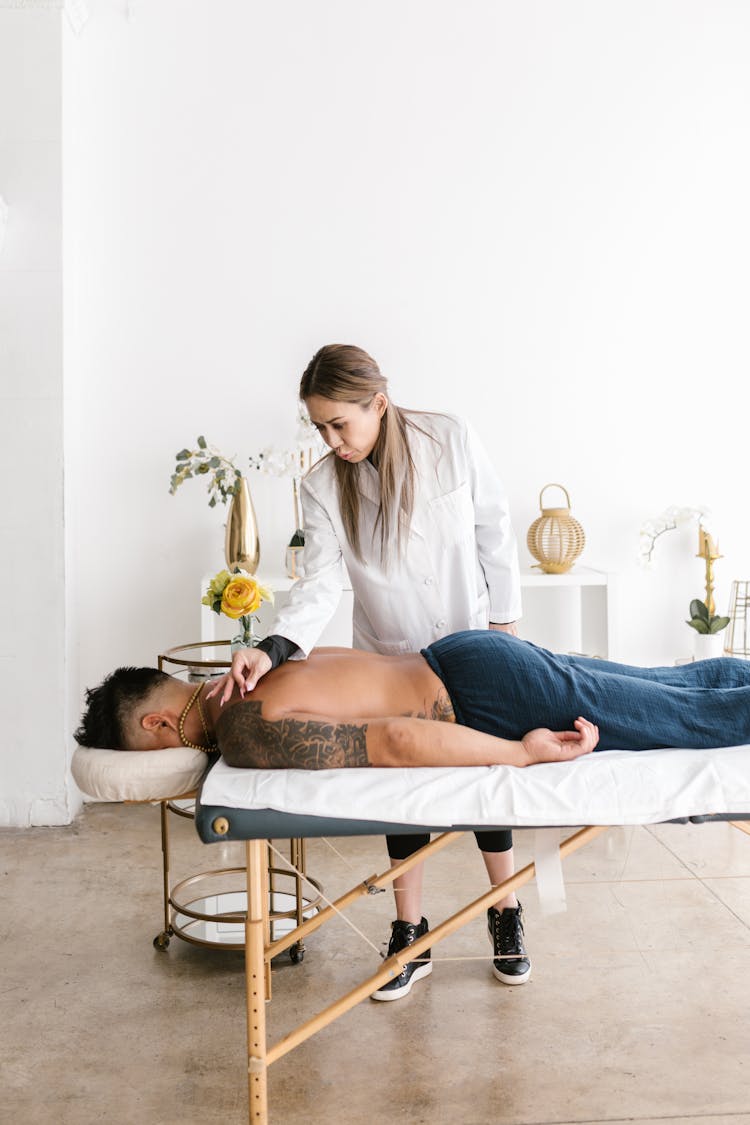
{"x":138,"y":775}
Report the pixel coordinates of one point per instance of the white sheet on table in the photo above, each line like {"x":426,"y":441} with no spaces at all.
{"x":614,"y":787}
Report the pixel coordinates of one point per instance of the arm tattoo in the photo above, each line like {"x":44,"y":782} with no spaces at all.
{"x":248,"y":740}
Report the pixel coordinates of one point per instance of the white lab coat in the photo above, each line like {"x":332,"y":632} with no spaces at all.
{"x":460,"y":569}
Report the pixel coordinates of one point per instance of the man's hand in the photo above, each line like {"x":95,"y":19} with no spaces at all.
{"x":248,"y":666}
{"x":543,"y":745}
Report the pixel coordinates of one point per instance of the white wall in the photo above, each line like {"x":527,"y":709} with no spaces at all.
{"x":34,"y":681}
{"x":532,"y":214}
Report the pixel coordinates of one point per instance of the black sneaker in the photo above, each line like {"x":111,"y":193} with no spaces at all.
{"x":403,"y":934}
{"x":505,"y":931}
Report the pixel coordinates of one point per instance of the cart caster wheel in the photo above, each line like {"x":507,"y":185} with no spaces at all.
{"x":297,"y":953}
{"x":161,"y":942}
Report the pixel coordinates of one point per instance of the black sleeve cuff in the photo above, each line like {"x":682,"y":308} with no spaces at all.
{"x":278,"y":648}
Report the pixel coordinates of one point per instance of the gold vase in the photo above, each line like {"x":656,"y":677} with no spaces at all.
{"x":241,"y":545}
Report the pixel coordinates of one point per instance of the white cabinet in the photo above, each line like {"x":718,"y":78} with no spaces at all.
{"x":573,"y":612}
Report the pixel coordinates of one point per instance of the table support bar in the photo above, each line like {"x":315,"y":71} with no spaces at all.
{"x":394,"y":964}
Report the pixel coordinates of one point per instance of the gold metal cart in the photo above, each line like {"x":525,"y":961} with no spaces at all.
{"x":209,"y":908}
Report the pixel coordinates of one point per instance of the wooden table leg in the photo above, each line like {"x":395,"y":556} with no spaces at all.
{"x":255,"y":929}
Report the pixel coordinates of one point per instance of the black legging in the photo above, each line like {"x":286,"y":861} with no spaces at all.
{"x":401,"y":847}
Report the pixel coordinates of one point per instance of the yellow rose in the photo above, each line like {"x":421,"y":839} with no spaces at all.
{"x":241,"y":596}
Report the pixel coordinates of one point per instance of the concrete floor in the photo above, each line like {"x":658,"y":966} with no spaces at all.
{"x":637,"y":1010}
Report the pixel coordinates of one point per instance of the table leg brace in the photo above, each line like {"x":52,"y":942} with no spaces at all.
{"x":259,"y":1056}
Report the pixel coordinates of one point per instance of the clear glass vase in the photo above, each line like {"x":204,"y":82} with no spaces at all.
{"x":247,"y":637}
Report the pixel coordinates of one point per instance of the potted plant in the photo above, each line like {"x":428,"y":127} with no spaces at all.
{"x":708,"y":627}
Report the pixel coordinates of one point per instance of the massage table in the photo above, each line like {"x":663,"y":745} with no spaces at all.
{"x":608,"y":789}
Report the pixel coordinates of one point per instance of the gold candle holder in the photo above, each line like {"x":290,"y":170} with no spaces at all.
{"x":709,"y":552}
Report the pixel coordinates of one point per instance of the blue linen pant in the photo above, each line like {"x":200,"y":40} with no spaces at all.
{"x":506,"y":686}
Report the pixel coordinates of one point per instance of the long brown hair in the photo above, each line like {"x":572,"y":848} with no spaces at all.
{"x":344,"y":373}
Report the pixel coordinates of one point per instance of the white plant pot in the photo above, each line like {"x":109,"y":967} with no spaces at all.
{"x":708,"y":645}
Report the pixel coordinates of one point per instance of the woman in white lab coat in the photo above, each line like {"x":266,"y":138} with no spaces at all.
{"x":410,"y":502}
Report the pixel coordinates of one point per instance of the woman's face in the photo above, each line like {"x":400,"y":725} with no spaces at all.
{"x":349,"y":428}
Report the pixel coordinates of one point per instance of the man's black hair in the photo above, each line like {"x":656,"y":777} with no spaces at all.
{"x":109,"y":706}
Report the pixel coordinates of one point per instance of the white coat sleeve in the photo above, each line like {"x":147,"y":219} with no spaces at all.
{"x":314,"y":598}
{"x":496,"y":539}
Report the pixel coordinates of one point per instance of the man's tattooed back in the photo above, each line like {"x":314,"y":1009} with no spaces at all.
{"x":248,"y":740}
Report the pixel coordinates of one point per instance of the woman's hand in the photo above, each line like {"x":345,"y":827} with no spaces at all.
{"x":543,"y":745}
{"x":511,"y":628}
{"x":248,"y":666}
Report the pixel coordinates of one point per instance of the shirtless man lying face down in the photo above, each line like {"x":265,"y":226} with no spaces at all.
{"x":472,"y":698}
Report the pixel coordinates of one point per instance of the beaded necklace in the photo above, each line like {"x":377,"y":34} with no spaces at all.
{"x":181,"y":724}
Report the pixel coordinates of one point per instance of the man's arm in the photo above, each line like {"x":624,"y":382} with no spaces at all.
{"x":296,"y":741}
{"x":424,"y":742}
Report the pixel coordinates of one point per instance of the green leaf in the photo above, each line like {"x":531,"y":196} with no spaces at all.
{"x":201,"y":442}
{"x":699,"y":625}
{"x":699,"y":609}
{"x":202,"y":469}
{"x":183,"y":455}
{"x":214,"y":462}
{"x":716,"y":624}
{"x":212,"y":502}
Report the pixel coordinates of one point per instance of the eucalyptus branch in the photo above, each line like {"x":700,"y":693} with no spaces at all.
{"x":206,"y":461}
